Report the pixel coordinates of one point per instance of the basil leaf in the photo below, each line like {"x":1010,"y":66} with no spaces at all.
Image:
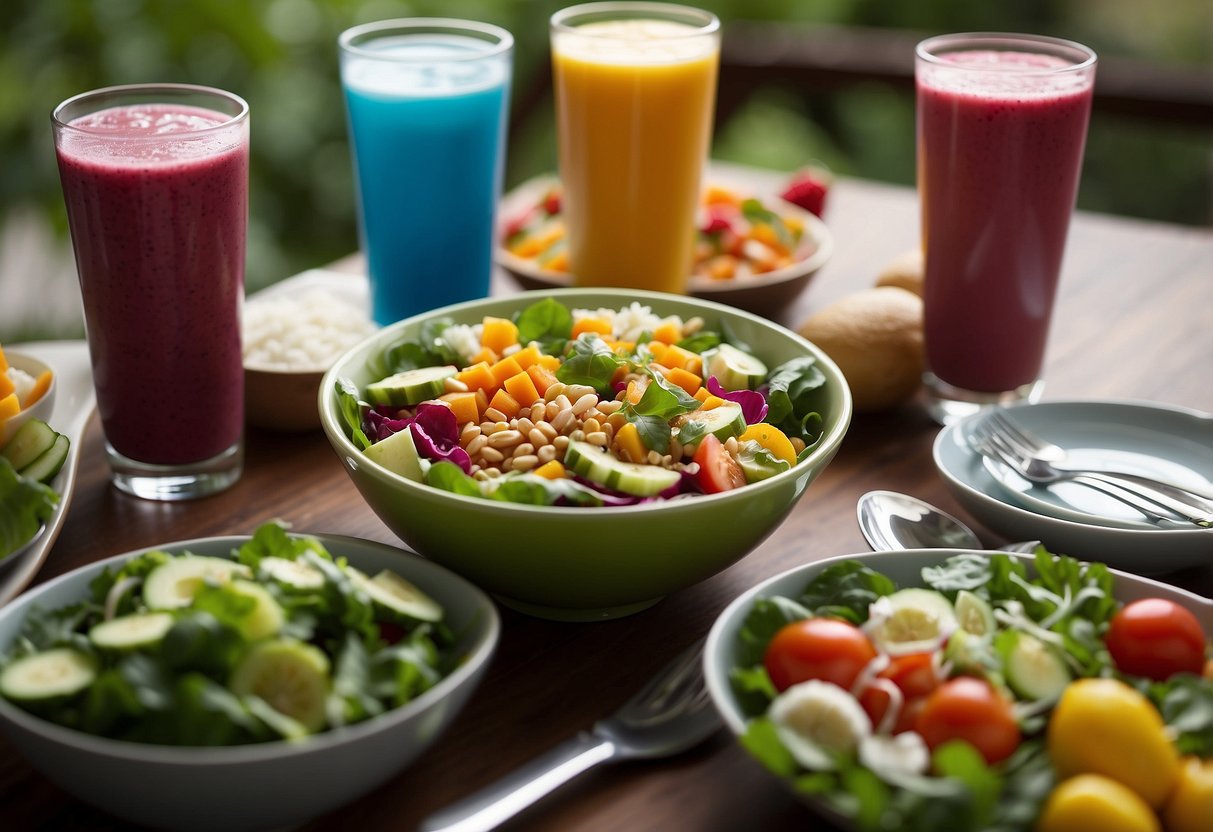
{"x":794,"y":398}
{"x":450,"y":477}
{"x":846,"y":590}
{"x":701,"y":341}
{"x":591,"y":362}
{"x":665,"y":399}
{"x":654,"y":431}
{"x":548,"y":319}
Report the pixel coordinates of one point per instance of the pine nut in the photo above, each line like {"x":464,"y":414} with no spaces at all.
{"x":539,"y":411}
{"x":497,"y":416}
{"x":505,"y":439}
{"x":676,"y":449}
{"x":617,"y":420}
{"x":477,"y":444}
{"x":470,"y":431}
{"x":798,"y":444}
{"x":524,"y":425}
{"x":508,"y":464}
{"x":547,"y":453}
{"x":454,"y":385}
{"x":577,"y":435}
{"x":576,"y":391}
{"x":597,"y":438}
{"x":563,"y":420}
{"x":489,"y":428}
{"x":730,"y":445}
{"x":525,"y":462}
{"x":653,"y":458}
{"x":591,"y":425}
{"x":585,"y":403}
{"x":692,"y":325}
{"x":609,"y":406}
{"x":491,"y":455}
{"x":538,"y":438}
{"x":561,"y":443}
{"x":557,"y":389}
{"x":550,"y":411}
{"x":548,"y":430}
{"x":524,"y":449}
{"x":562,"y":401}
{"x":480,"y":474}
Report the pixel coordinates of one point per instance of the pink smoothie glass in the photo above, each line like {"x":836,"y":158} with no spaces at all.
{"x":155,"y":179}
{"x":1002,"y":121}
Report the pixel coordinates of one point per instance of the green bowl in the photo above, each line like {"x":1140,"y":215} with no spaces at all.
{"x":582,"y":564}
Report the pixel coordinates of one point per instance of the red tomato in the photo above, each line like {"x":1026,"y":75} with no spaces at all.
{"x":718,"y":471}
{"x":915,"y":677}
{"x":1156,"y":638}
{"x":817,"y":648}
{"x":969,"y":709}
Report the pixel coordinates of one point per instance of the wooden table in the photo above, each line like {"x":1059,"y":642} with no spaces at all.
{"x":1133,"y":321}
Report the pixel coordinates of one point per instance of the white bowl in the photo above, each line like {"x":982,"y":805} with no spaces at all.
{"x":40,"y":409}
{"x":721,"y":653}
{"x":268,"y":784}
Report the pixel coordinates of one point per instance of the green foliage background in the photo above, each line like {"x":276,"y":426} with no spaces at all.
{"x":281,"y":56}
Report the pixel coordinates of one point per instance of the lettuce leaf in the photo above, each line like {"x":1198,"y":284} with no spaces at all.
{"x":590,"y":361}
{"x":549,"y":322}
{"x":26,"y":505}
{"x":793,"y":393}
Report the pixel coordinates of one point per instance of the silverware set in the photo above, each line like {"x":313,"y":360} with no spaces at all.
{"x":997,"y":437}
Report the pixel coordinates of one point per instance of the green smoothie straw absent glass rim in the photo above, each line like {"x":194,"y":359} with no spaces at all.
{"x":155,"y":181}
{"x":1001,"y":127}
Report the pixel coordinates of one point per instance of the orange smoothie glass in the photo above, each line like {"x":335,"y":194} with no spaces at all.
{"x":635,"y":91}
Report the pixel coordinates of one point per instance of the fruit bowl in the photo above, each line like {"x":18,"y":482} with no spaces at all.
{"x":581,"y":563}
{"x":765,"y":293}
{"x":40,"y":409}
{"x":263,"y":785}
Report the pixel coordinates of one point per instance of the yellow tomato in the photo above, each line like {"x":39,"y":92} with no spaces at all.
{"x":1190,"y":807}
{"x":771,"y":438}
{"x":1103,"y":726}
{"x":1093,"y":803}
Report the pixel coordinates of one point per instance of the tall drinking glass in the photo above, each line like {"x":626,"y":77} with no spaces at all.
{"x":155,"y":179}
{"x":427,"y":100}
{"x":1002,"y":121}
{"x":635,"y":90}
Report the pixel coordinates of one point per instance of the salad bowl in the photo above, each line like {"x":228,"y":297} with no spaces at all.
{"x":40,"y":409}
{"x":262,"y":785}
{"x":727,"y":652}
{"x":579,"y":563}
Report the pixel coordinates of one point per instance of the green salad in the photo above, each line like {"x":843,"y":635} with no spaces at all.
{"x":988,"y":697}
{"x":280,"y":641}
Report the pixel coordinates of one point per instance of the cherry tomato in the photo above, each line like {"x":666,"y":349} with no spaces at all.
{"x":718,"y":471}
{"x":817,"y":648}
{"x":969,"y":709}
{"x":915,"y":677}
{"x":1156,"y":638}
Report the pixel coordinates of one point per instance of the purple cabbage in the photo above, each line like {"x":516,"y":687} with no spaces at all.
{"x":753,"y":404}
{"x":435,"y":432}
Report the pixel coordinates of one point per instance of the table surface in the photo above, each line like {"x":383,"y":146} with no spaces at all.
{"x":1133,"y":321}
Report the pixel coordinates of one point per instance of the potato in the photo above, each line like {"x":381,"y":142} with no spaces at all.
{"x":905,"y":272}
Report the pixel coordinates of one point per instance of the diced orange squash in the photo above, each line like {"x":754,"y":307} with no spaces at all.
{"x":657,"y":348}
{"x":549,"y":362}
{"x":498,"y":334}
{"x":503,"y":369}
{"x":668,"y":333}
{"x":41,"y":385}
{"x":551,"y":470}
{"x":600,"y":325}
{"x":627,"y":440}
{"x":3,"y":361}
{"x":482,"y":400}
{"x":676,"y":356}
{"x":522,"y":389}
{"x":621,"y":347}
{"x":526,"y":356}
{"x":722,"y":267}
{"x":541,"y":377}
{"x":478,"y":377}
{"x":558,"y":262}
{"x":636,"y":390}
{"x":716,"y":195}
{"x":9,"y":406}
{"x":506,"y":403}
{"x":6,"y":384}
{"x":687,"y":381}
{"x":618,"y":375}
{"x":487,"y":355}
{"x":766,"y":233}
{"x":701,"y":394}
{"x":711,"y":402}
{"x":463,"y":405}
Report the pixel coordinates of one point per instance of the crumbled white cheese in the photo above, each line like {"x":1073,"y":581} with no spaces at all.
{"x":22,"y":381}
{"x":302,"y":332}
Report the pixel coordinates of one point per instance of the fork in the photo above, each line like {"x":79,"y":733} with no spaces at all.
{"x":670,"y":714}
{"x":1043,"y":455}
{"x":1154,"y":504}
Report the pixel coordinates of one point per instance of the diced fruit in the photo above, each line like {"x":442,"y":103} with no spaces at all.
{"x":41,"y":385}
{"x":478,"y":377}
{"x":629,"y":444}
{"x":527,"y":356}
{"x":541,"y":377}
{"x":599,"y":325}
{"x":771,"y":438}
{"x":498,"y":333}
{"x":595,"y":464}
{"x":506,"y":403}
{"x":503,"y":369}
{"x":686,"y":380}
{"x":668,"y":333}
{"x":411,"y":386}
{"x":522,"y":388}
{"x":10,"y":406}
{"x":463,"y":405}
{"x":290,"y":676}
{"x":487,"y":355}
{"x":49,"y":675}
{"x":174,"y":584}
{"x":131,"y":632}
{"x":808,"y":190}
{"x":552,"y":470}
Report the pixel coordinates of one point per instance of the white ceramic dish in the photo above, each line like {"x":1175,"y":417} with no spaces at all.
{"x":277,"y":784}
{"x":765,"y":294}
{"x":41,"y":409}
{"x":720,"y":653}
{"x":1180,"y":442}
{"x":74,"y":404}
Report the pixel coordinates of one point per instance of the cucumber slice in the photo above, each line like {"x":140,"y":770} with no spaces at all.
{"x":917,"y":620}
{"x":411,"y":386}
{"x":293,"y":573}
{"x":971,"y":654}
{"x":132,"y":632}
{"x":290,"y":676}
{"x":1032,"y":668}
{"x":758,"y":463}
{"x":595,"y":464}
{"x":973,"y":614}
{"x":389,"y":590}
{"x":398,"y":454}
{"x":266,"y":618}
{"x":174,"y":584}
{"x":734,"y":369}
{"x":723,"y":421}
{"x":46,"y":466}
{"x":51,"y":674}
{"x":31,"y":441}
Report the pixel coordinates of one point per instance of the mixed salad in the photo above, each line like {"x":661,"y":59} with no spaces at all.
{"x":583,"y":407}
{"x":737,"y":236}
{"x":988,"y":698}
{"x":279,"y":641}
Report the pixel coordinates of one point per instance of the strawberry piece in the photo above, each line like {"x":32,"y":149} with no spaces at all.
{"x":808,"y":190}
{"x":518,"y":223}
{"x":551,"y":203}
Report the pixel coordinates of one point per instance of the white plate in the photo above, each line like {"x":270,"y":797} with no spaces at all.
{"x":75,"y":402}
{"x":1173,"y":442}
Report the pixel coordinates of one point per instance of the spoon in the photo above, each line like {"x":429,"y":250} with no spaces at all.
{"x":891,"y":521}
